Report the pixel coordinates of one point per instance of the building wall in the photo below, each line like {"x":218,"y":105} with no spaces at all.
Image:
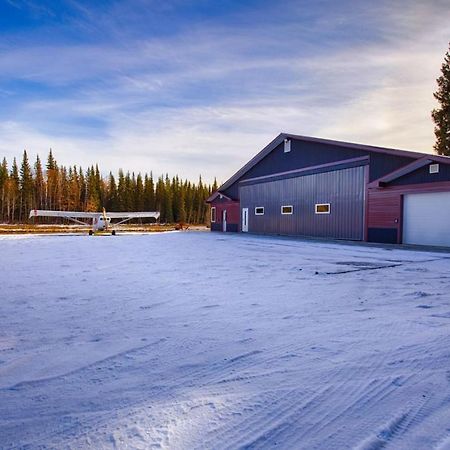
{"x":343,"y":189}
{"x":306,"y":154}
{"x":385,"y":209}
{"x":232,"y":209}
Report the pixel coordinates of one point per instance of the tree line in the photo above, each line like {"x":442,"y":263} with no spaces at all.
{"x":56,"y":187}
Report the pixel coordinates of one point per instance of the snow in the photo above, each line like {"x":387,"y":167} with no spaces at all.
{"x":204,"y":340}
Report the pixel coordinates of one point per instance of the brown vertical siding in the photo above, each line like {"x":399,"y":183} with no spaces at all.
{"x":384,"y":210}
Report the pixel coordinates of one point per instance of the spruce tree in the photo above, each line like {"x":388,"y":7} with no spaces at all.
{"x":3,"y":187}
{"x":112,"y":203}
{"x":39,"y":185}
{"x":441,"y":115}
{"x":121,"y":191}
{"x":83,"y":189}
{"x":13,"y":192}
{"x":26,"y":187}
{"x":52,"y":181}
{"x":168,"y":201}
{"x":160,"y":198}
{"x":139,"y":194}
{"x":149,"y":193}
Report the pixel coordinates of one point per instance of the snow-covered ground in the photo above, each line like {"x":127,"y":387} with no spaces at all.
{"x":203,"y":340}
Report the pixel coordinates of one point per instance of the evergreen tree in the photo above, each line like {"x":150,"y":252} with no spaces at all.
{"x":200,"y":202}
{"x":52,"y":182}
{"x":214,"y":187}
{"x":26,"y":187}
{"x":13,"y":192}
{"x":121,"y":191}
{"x":139,"y":194}
{"x":112,"y":203}
{"x":149,"y":193}
{"x":441,"y":115}
{"x":39,"y":185}
{"x":93,"y":201}
{"x":83,"y":189}
{"x":3,"y":187}
{"x":168,"y":201}
{"x":99,"y":188}
{"x":181,"y":208}
{"x":160,"y":198}
{"x":128,"y":194}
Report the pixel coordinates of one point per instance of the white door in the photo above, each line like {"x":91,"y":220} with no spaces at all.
{"x":426,"y":219}
{"x":244,"y":220}
{"x":224,"y":220}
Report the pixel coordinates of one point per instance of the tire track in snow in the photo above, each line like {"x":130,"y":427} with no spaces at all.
{"x":398,"y":425}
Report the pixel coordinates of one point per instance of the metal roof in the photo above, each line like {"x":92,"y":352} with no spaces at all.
{"x":411,"y":167}
{"x":282,"y":136}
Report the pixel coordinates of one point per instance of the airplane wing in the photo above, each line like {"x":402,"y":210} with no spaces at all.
{"x":71,"y":214}
{"x":133,"y":215}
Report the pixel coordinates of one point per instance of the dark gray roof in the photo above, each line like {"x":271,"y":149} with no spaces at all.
{"x":282,"y":136}
{"x":411,"y":167}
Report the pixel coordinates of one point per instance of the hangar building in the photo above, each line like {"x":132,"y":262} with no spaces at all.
{"x":307,"y":186}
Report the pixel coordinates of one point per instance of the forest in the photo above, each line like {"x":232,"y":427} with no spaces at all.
{"x":57,"y":187}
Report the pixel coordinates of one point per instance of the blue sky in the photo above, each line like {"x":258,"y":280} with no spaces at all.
{"x":193,"y":87}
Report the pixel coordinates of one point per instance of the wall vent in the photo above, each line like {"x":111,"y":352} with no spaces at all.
{"x":434,"y":168}
{"x":287,"y":145}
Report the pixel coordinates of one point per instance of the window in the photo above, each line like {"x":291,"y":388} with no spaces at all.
{"x":322,"y":208}
{"x":287,"y":209}
{"x":434,"y":168}
{"x":287,"y":145}
{"x":213,"y":214}
{"x":259,"y":211}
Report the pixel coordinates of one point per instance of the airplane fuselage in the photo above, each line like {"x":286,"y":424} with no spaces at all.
{"x":101,"y":223}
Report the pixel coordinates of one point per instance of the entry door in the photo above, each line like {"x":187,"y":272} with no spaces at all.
{"x":224,"y":220}
{"x":244,"y":220}
{"x":426,"y":219}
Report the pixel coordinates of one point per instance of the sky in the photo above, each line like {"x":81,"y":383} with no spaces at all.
{"x":198,"y":87}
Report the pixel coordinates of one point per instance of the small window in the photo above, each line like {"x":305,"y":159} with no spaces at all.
{"x":213,"y":214}
{"x":287,"y":209}
{"x":259,"y":211}
{"x":434,"y":168}
{"x":287,"y":145}
{"x":322,"y":208}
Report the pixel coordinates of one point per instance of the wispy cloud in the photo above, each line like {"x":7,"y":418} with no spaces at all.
{"x":204,"y":97}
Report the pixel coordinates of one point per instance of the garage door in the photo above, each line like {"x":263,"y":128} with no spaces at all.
{"x":426,"y":219}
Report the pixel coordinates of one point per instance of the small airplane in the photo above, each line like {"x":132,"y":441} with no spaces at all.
{"x":101,"y":222}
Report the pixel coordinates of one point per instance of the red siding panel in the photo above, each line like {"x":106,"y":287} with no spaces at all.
{"x":385,"y":205}
{"x":233,"y":216}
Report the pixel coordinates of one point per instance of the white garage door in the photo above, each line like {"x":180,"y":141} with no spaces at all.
{"x":426,"y":219}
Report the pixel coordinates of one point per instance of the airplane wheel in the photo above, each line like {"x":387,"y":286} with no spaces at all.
{"x":90,"y":233}
{"x":113,"y":232}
